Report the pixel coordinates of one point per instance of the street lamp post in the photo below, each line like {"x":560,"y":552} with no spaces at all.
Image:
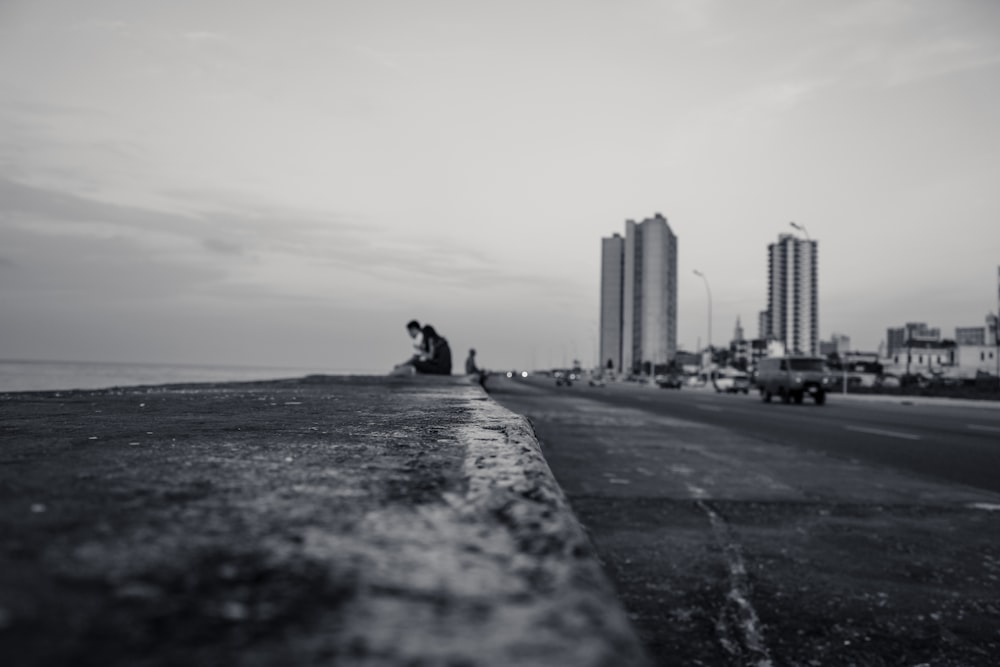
{"x":801,"y":228}
{"x":708,"y":290}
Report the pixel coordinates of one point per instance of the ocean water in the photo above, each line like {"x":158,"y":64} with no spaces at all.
{"x":65,"y":375}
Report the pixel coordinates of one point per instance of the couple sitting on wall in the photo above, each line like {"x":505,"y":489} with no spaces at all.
{"x":432,"y":357}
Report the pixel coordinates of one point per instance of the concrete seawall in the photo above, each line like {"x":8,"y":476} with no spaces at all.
{"x":327,"y":520}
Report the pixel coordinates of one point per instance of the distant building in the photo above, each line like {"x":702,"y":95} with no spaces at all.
{"x":739,"y":347}
{"x":970,"y":335}
{"x":612,"y":301}
{"x":972,"y":360}
{"x":838,"y":344}
{"x":763,"y":323}
{"x":899,"y":338}
{"x":687,"y":358}
{"x":738,"y":331}
{"x":646,"y":270}
{"x":923,"y":357}
{"x":792,"y":294}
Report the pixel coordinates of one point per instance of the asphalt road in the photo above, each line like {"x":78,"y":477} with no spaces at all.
{"x":738,"y":532}
{"x":953,"y":442}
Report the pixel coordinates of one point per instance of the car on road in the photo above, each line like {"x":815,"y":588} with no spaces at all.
{"x":732,"y":382}
{"x":596,"y":380}
{"x":565,"y":377}
{"x":792,"y":378}
{"x":669,"y":381}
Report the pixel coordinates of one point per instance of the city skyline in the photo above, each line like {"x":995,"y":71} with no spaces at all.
{"x":244,"y":184}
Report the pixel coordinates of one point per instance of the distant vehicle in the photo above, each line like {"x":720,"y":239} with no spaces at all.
{"x":564,"y":378}
{"x":792,"y":378}
{"x":732,"y":383}
{"x":669,"y":381}
{"x":889,"y":381}
{"x":596,"y":380}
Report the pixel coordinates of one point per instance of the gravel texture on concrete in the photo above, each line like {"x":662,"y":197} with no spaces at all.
{"x":326,"y":520}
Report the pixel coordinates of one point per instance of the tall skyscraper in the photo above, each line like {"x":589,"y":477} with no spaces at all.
{"x":996,"y":322}
{"x":792,"y":294}
{"x":763,"y":324}
{"x":612,"y":296}
{"x":642,"y":269}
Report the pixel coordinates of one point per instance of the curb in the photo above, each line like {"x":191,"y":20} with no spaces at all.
{"x":523,"y":582}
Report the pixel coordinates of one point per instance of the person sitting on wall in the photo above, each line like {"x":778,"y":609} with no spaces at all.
{"x":420,"y":349}
{"x":470,"y":363}
{"x":472,"y":369}
{"x":437,"y":359}
{"x":432,"y":353}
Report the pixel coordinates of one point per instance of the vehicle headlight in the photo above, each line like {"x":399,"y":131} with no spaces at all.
{"x":798,"y":379}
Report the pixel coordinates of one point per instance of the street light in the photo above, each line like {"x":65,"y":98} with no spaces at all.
{"x":709,"y":291}
{"x":801,"y":228}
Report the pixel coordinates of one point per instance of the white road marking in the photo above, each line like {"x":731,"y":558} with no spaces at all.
{"x":988,"y":429}
{"x":989,"y":507}
{"x":878,"y":431}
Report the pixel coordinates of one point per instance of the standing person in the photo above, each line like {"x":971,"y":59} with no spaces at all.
{"x":437,"y":359}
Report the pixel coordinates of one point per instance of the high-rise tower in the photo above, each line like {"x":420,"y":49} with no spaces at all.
{"x":645,"y":327}
{"x":792,"y":294}
{"x":612,"y":275}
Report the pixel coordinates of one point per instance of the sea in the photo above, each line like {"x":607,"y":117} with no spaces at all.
{"x":66,"y":375}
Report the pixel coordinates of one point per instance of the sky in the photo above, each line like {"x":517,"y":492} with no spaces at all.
{"x":258,"y":183}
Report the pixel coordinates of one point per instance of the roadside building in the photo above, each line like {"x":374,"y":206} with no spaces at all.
{"x":973,"y":360}
{"x":921,"y":357}
{"x":792,"y":294}
{"x":970,"y":336}
{"x":641,"y":270}
{"x":612,"y":296}
{"x":898,"y":338}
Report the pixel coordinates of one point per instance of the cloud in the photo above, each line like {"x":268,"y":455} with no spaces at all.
{"x":223,"y":247}
{"x":250,"y":250}
{"x":940,"y":58}
{"x":93,"y":269}
{"x":51,"y":205}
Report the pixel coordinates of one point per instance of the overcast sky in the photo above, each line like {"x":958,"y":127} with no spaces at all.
{"x":288,"y":183}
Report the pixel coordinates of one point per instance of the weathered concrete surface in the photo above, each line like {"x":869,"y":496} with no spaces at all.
{"x":731,"y":548}
{"x":349,"y":521}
